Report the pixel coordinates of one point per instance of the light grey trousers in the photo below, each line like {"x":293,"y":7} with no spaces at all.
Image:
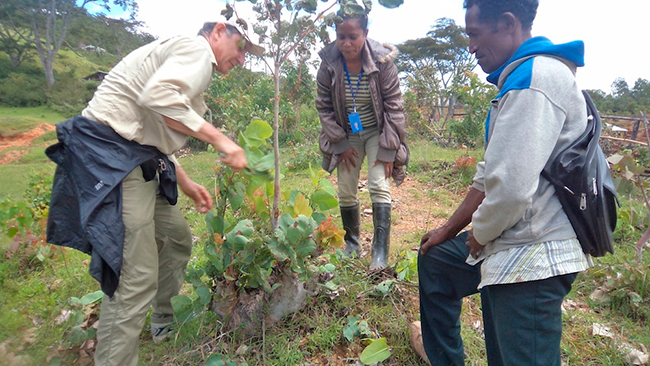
{"x":366,"y":144}
{"x":157,"y":247}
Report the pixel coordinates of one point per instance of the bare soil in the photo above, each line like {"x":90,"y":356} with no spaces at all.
{"x":21,"y":140}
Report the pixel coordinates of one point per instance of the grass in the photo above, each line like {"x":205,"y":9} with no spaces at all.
{"x":34,"y":293}
{"x":42,"y":114}
{"x":14,"y":178}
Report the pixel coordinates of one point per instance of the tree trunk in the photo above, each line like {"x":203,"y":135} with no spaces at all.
{"x":49,"y":71}
{"x":276,"y":147}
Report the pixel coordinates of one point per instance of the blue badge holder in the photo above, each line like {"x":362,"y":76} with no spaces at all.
{"x":355,"y":122}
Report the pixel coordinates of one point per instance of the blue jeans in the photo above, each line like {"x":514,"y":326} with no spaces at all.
{"x":522,"y":321}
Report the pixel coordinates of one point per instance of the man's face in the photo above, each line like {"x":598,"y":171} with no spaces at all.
{"x":228,"y":50}
{"x":491,"y":42}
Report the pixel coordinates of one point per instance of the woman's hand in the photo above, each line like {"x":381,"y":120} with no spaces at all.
{"x":388,"y":167}
{"x":346,"y":159}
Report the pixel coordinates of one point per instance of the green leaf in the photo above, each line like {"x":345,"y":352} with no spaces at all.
{"x":92,"y":298}
{"x":383,"y":288}
{"x":266,"y":164}
{"x":259,"y":129}
{"x":324,"y":200}
{"x":77,"y":336}
{"x":391,"y":3}
{"x":216,"y":359}
{"x":352,"y":329}
{"x":183,"y":308}
{"x":204,"y":295}
{"x":376,"y":351}
{"x":216,"y":260}
{"x":261,"y":207}
{"x":327,"y":186}
{"x":12,"y":232}
{"x":227,"y":12}
{"x":318,"y":217}
{"x":329,"y":267}
{"x":215,"y":223}
{"x":279,"y":250}
{"x":237,"y":193}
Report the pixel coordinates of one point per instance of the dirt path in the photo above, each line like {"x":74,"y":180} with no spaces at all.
{"x":21,"y":140}
{"x":413,"y":213}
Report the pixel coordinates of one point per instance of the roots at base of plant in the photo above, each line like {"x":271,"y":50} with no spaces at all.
{"x":245,"y":311}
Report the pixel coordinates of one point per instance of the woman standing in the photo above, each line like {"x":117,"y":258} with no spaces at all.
{"x":360,"y":107}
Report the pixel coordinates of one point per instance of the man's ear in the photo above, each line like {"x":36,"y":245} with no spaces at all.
{"x":508,"y":21}
{"x":218,"y":29}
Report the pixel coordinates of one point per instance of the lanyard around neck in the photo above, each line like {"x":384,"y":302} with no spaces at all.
{"x":353,"y":92}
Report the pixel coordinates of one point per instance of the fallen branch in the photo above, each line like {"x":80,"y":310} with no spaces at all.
{"x":624,"y":140}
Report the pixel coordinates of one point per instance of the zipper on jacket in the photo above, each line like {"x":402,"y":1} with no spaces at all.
{"x":583,"y":202}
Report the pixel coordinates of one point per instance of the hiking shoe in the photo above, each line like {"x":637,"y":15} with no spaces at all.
{"x":415,"y":336}
{"x":161,"y":332}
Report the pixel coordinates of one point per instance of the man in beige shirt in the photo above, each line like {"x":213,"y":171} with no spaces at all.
{"x":154,"y":97}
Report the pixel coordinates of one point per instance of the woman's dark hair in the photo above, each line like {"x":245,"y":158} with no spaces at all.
{"x":491,"y":10}
{"x":209,"y":26}
{"x":360,"y":17}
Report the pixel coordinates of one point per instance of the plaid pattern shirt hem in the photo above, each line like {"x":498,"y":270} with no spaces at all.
{"x":534,"y":262}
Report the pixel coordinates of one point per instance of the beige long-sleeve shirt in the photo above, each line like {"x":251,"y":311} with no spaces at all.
{"x":164,"y":78}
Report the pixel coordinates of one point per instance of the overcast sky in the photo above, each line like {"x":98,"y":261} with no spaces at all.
{"x":615,"y":32}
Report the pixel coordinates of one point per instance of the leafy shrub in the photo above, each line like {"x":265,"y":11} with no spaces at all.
{"x":22,"y":90}
{"x":70,"y":94}
{"x":23,"y":224}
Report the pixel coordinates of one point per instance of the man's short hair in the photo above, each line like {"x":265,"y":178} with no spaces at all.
{"x":491,"y":10}
{"x":207,"y":28}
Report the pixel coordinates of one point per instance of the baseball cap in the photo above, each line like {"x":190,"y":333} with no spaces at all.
{"x":251,"y":47}
{"x":242,"y":28}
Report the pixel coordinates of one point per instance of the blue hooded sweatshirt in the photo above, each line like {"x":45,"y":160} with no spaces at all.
{"x":539,"y":111}
{"x":520,"y":78}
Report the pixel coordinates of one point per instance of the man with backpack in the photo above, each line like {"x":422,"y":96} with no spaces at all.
{"x":522,"y":254}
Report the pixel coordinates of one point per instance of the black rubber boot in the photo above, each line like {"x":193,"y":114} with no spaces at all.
{"x":381,"y":239}
{"x":351,"y":222}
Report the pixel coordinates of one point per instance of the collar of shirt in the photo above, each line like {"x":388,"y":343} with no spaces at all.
{"x":206,"y":44}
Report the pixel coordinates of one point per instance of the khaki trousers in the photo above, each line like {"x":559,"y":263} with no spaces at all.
{"x":365,"y":143}
{"x":157,"y":247}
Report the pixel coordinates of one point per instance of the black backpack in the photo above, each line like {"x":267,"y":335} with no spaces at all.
{"x":583,"y":183}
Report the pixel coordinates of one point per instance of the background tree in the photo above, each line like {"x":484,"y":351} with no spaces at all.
{"x":434,"y":67}
{"x":45,"y":24}
{"x":11,"y":42}
{"x":475,"y":97}
{"x":283,"y":27}
{"x":299,"y":87}
{"x":116,"y":36}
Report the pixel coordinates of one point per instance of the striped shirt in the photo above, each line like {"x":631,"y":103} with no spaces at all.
{"x":534,"y":262}
{"x":363,"y":100}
